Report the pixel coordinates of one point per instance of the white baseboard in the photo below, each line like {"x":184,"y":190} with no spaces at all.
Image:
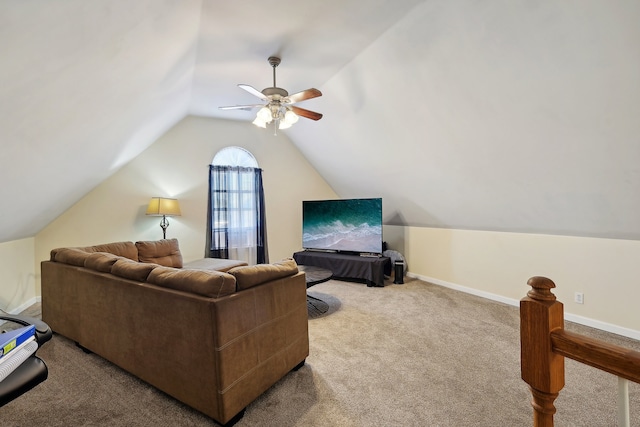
{"x":597,"y":324}
{"x":608,"y":327}
{"x":25,"y":305}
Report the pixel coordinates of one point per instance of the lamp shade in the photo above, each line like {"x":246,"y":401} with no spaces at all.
{"x":159,"y":206}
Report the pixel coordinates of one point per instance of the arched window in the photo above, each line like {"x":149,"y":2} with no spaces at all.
{"x":235,"y":220}
{"x":234,"y":156}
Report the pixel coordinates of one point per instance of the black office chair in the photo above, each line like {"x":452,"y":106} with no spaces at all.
{"x":33,"y":370}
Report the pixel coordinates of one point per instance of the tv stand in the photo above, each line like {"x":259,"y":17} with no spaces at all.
{"x":348,"y":266}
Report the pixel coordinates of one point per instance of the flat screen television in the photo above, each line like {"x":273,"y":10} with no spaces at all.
{"x":346,"y":225}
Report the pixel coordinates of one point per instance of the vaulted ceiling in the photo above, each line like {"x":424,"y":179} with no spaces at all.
{"x":498,"y":115}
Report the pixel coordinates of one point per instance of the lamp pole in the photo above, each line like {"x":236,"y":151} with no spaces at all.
{"x":164,"y":224}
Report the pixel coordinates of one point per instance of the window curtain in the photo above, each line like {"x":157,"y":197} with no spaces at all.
{"x":235,"y":215}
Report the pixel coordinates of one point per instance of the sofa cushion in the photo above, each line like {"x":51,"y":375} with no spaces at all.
{"x":252,"y":275}
{"x":165,"y":252}
{"x":101,"y":261}
{"x":124,"y":249}
{"x":132,"y":270}
{"x":73,"y":256}
{"x":206,"y":283}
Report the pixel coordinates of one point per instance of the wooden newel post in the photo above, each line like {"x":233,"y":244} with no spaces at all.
{"x":543,"y":370}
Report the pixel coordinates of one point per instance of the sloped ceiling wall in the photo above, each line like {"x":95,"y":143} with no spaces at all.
{"x":84,"y":88}
{"x":513,"y":116}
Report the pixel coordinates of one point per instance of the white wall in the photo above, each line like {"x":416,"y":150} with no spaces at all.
{"x":17,"y":275}
{"x":177,"y":166}
{"x":497,"y":265}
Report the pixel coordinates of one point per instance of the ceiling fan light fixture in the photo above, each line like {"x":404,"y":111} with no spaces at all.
{"x":283,"y":124}
{"x":264,"y":115}
{"x":260,"y":123}
{"x":290,"y":117}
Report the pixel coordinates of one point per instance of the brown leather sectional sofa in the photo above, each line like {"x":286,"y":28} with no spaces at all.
{"x":214,"y":334}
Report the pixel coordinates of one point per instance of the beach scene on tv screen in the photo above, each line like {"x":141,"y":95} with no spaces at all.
{"x":353,"y":225}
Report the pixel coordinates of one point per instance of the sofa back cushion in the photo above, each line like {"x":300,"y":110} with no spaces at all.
{"x":124,"y":249}
{"x":164,"y":252}
{"x":206,"y":283}
{"x":252,"y":275}
{"x":132,"y":270}
{"x":73,"y":256}
{"x":101,"y":261}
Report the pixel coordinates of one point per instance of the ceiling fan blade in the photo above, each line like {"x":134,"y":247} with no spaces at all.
{"x":241,"y":107}
{"x":253,"y":91}
{"x":305,"y":94}
{"x":306,"y":113}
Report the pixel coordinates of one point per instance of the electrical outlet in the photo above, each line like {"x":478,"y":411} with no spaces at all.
{"x":578,"y":297}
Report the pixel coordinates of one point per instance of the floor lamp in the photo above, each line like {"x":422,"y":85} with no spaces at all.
{"x":160,"y":206}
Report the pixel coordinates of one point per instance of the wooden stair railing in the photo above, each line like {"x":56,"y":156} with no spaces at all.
{"x":544,"y":343}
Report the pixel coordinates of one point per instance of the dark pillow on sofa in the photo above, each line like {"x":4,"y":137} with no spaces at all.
{"x":73,"y":256}
{"x":132,"y":270}
{"x":165,"y":252}
{"x":252,"y":275}
{"x":206,"y":283}
{"x":101,"y":261}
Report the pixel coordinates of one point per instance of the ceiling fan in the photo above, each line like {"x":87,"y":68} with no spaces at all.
{"x":279,"y":106}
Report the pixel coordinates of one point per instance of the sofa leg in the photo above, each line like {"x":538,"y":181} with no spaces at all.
{"x":299,"y":365}
{"x":235,"y":418}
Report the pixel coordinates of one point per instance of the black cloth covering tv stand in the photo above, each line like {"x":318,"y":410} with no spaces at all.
{"x":348,"y":266}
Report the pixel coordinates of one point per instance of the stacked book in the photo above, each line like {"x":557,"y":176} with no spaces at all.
{"x":15,"y":347}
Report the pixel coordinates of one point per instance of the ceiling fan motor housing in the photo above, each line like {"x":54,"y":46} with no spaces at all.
{"x":275,"y":92}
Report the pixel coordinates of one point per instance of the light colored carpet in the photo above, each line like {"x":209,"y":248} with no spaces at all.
{"x":403,"y":355}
